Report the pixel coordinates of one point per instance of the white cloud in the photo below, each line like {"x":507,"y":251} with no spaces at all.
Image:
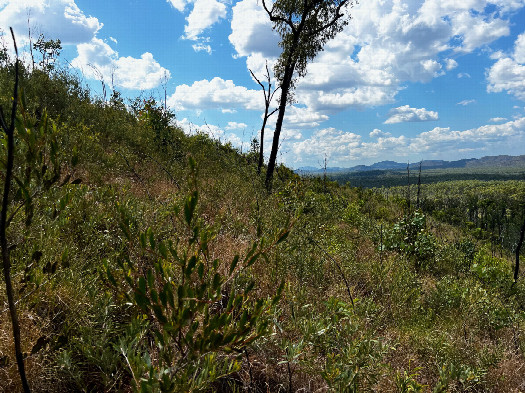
{"x":377,"y":133}
{"x":142,"y":74}
{"x":466,"y":102}
{"x":179,"y":5}
{"x":303,"y":117}
{"x":443,"y":139}
{"x":213,"y":131}
{"x":407,"y":114}
{"x":519,"y":49}
{"x":98,"y":60}
{"x":343,"y":148}
{"x":64,"y":20}
{"x":450,"y":64}
{"x":508,"y":73}
{"x":497,"y":119}
{"x":204,"y":14}
{"x":232,"y":125}
{"x":463,"y":75}
{"x":215,"y":94}
{"x":252,"y":30}
{"x":478,"y":30}
{"x":329,"y":142}
{"x":387,"y":43}
{"x":200,"y":47}
{"x":60,"y":19}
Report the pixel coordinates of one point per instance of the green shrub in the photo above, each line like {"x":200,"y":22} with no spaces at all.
{"x":199,"y":311}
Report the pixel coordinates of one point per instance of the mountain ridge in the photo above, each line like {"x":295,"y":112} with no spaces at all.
{"x":486,"y":161}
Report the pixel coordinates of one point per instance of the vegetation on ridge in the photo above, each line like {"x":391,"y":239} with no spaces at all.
{"x":148,"y":270}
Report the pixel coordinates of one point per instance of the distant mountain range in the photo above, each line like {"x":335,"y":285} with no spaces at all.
{"x":488,"y":161}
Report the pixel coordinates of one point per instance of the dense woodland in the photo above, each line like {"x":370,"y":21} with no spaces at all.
{"x":147,"y":260}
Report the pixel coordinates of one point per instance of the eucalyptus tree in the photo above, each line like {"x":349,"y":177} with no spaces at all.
{"x":304,"y":27}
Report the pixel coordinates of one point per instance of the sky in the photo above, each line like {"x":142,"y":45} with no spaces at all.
{"x":406,"y":80}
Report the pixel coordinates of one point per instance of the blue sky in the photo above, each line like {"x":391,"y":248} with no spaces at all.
{"x":405,"y":80}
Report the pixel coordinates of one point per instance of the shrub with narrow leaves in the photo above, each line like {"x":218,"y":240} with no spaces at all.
{"x":201,"y":312}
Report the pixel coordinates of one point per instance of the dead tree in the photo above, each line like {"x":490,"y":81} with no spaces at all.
{"x":268,"y":96}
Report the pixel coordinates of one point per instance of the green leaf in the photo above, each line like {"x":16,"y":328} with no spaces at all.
{"x":74,"y":157}
{"x":191,"y":265}
{"x":253,"y":259}
{"x":151,"y":279}
{"x":216,"y":281}
{"x":153,"y":295}
{"x":234,"y":263}
{"x":141,"y":300}
{"x":151,"y":238}
{"x":142,"y":285}
{"x":189,"y":207}
{"x":143,"y":240}
{"x":159,"y":314}
{"x":110,"y":276}
{"x":200,"y":270}
{"x":163,"y":250}
{"x":282,"y":237}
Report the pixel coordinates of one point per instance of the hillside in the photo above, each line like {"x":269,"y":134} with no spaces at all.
{"x":148,"y":260}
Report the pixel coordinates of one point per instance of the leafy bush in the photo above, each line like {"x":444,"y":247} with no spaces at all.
{"x":197,"y":309}
{"x":410,"y":237}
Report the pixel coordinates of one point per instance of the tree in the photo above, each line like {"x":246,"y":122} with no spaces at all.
{"x":304,"y":26}
{"x":49,"y":50}
{"x":30,"y":164}
{"x":268,"y":96}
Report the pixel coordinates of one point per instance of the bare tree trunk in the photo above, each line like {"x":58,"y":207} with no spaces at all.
{"x":408,"y":186}
{"x":285,"y":87}
{"x":419,"y":186}
{"x":261,"y":145}
{"x":6,"y":262}
{"x":268,"y":96}
{"x":518,"y":249}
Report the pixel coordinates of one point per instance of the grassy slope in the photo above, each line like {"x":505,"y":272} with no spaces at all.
{"x":437,"y":311}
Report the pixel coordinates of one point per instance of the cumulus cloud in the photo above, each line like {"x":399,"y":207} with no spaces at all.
{"x":450,"y":64}
{"x":178,"y":4}
{"x":64,"y":20}
{"x":212,"y":131}
{"x":405,"y":113}
{"x":497,"y":119}
{"x":252,"y":30}
{"x":377,"y":133}
{"x":443,"y":139}
{"x":215,"y":94}
{"x":232,"y":125}
{"x":303,"y":118}
{"x":54,"y":18}
{"x":344,"y":147}
{"x":329,"y":142}
{"x":478,"y":30}
{"x":205,"y":13}
{"x":386,"y":44}
{"x":98,"y":60}
{"x":508,"y":73}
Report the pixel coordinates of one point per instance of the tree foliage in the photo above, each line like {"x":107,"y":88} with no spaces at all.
{"x":304,"y":27}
